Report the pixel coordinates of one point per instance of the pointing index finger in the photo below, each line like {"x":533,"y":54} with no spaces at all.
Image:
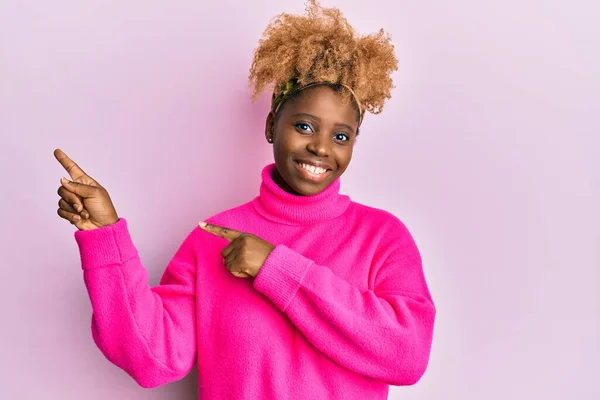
{"x":69,"y":165}
{"x":225,"y":233}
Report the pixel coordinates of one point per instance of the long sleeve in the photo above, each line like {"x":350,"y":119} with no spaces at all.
{"x":148,"y":332}
{"x":384,"y":333}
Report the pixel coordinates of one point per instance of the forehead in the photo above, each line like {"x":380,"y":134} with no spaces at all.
{"x":324,"y":102}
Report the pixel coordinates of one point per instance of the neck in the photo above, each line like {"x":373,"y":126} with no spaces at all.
{"x":283,"y":184}
{"x":279,"y":203}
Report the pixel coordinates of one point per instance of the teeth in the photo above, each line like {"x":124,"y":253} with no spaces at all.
{"x":312,"y":169}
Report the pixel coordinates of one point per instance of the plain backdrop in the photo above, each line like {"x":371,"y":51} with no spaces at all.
{"x":488,"y":151}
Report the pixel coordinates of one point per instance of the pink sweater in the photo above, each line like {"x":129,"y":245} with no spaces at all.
{"x":339,"y":310}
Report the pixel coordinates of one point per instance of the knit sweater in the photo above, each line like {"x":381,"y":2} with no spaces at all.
{"x":339,"y":310}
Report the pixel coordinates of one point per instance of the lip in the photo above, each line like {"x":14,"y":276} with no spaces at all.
{"x":318,"y":164}
{"x":311,"y":177}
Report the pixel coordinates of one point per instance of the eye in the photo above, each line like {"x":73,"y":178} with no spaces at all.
{"x":342,"y":137}
{"x":304,"y":127}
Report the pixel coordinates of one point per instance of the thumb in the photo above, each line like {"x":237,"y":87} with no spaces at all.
{"x":80,"y":189}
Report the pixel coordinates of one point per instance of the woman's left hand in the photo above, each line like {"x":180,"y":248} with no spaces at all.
{"x":246,"y":253}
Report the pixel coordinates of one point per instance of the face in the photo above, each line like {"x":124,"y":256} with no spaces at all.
{"x":312,"y":139}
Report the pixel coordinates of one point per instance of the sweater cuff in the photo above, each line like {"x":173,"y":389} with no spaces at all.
{"x":281,"y":275}
{"x":106,"y":246}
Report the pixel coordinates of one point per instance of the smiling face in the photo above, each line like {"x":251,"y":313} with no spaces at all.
{"x":313,"y":136}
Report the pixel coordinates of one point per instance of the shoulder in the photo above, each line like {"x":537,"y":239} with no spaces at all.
{"x":394,"y":240}
{"x":382,"y":219}
{"x":236,"y":217}
{"x":383,"y":227}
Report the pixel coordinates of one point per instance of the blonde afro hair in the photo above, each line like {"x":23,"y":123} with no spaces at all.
{"x":322,"y":46}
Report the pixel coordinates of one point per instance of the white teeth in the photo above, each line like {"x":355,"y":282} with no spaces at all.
{"x":312,"y":169}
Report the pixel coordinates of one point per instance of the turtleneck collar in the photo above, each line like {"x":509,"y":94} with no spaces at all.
{"x":277,"y":205}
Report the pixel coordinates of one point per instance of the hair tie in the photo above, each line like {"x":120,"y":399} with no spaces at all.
{"x":291,"y":87}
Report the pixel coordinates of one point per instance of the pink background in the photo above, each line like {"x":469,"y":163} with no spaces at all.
{"x":488,"y":151}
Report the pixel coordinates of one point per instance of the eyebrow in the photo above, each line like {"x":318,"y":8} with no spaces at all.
{"x":315,"y":118}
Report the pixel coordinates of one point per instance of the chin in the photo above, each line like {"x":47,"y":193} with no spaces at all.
{"x":304,"y":189}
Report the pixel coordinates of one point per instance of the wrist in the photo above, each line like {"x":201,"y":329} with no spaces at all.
{"x":93,"y":225}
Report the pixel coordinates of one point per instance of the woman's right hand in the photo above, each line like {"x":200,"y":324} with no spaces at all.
{"x":83,"y":201}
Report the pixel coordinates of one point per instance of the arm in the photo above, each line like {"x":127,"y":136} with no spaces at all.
{"x":148,"y":332}
{"x":384,"y":333}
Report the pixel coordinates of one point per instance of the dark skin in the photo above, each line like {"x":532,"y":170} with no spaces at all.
{"x":316,"y":127}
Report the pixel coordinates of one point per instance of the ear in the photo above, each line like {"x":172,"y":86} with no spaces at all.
{"x":270,"y":127}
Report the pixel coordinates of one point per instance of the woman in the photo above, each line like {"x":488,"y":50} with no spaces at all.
{"x":300,"y":293}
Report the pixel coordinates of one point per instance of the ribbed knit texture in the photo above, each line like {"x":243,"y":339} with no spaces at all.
{"x":339,"y":310}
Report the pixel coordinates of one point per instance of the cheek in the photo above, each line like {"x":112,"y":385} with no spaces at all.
{"x":289,"y":141}
{"x":344,"y":154}
{"x":284,"y":150}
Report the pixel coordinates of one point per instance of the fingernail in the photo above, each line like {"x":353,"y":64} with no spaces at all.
{"x":202,"y":224}
{"x":64,"y":180}
{"x":77,"y":218}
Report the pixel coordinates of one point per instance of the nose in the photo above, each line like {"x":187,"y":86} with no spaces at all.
{"x":319,"y":146}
